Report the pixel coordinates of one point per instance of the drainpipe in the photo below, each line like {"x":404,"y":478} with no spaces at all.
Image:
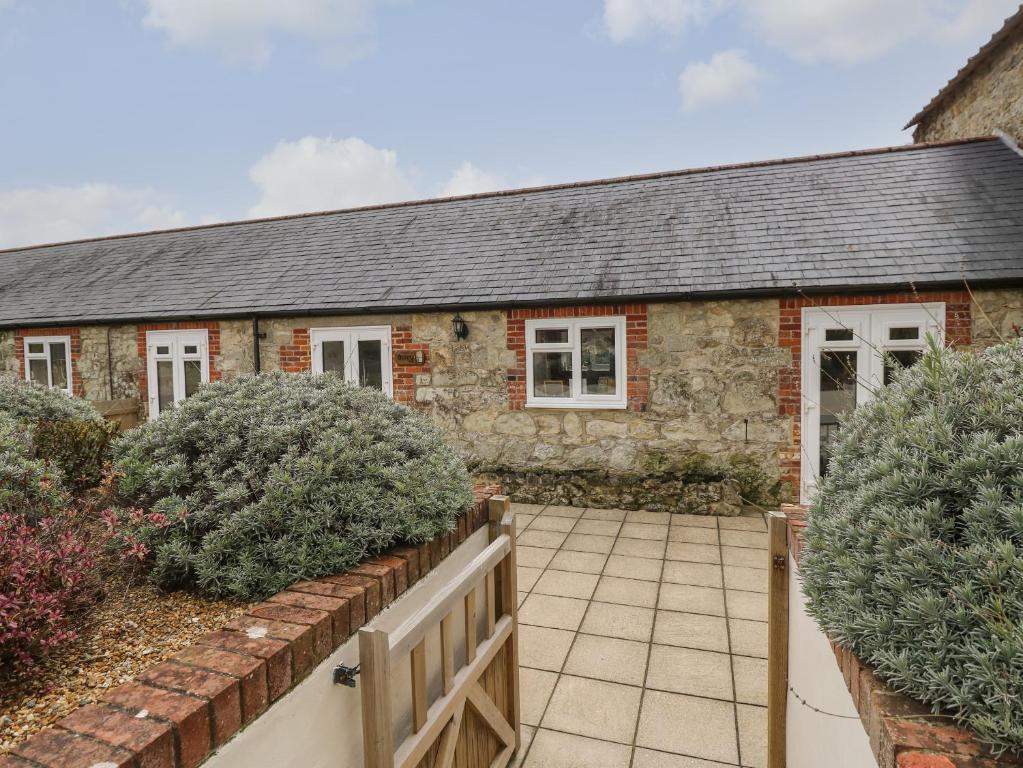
{"x":256,"y":336}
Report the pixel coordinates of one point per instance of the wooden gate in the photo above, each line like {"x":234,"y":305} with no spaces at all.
{"x":474,"y":721}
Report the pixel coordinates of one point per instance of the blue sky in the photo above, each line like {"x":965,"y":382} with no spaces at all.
{"x":121,"y":115}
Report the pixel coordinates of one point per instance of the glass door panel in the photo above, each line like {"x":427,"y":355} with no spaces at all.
{"x":165,"y":384}
{"x":333,"y":357}
{"x":837,"y":396}
{"x":371,"y":373}
{"x":58,"y":365}
{"x":37,"y":372}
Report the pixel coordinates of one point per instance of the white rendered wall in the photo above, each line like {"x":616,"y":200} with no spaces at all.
{"x":814,"y":739}
{"x":319,"y":724}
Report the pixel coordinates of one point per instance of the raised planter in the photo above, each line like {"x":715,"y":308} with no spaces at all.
{"x":619,"y":490}
{"x":176,"y":713}
{"x":903,"y":733}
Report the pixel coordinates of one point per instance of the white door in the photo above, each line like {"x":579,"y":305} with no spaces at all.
{"x":848,"y":353}
{"x":177,"y":364}
{"x":361,"y":355}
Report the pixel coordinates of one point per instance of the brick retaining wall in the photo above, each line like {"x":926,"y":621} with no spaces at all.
{"x":177,"y":712}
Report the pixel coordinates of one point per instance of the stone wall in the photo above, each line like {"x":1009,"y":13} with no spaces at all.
{"x":997,"y":316}
{"x":989,"y":99}
{"x":719,"y":378}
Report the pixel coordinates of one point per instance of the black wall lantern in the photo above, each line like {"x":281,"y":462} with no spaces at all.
{"x":459,"y":326}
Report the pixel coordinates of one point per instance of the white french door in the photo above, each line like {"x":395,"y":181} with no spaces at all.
{"x":177,"y":364}
{"x":361,"y":355}
{"x":848,"y":353}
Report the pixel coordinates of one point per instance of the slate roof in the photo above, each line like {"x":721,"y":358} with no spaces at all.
{"x":1012,"y":25}
{"x":927,"y":215}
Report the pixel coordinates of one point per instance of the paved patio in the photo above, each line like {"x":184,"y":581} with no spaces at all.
{"x":643,"y":639}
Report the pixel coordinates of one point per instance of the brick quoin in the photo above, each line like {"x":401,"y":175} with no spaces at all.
{"x":958,"y":324}
{"x":212,"y":329}
{"x":296,"y":357}
{"x":637,"y":377}
{"x":74,"y":332}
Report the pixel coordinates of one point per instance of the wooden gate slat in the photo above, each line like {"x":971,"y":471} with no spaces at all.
{"x":488,"y":710}
{"x":449,"y":739}
{"x":419,"y":705}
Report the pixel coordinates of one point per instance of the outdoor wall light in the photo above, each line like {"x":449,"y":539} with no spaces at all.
{"x":459,"y":326}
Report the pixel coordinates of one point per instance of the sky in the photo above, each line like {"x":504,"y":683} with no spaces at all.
{"x":130,"y":115}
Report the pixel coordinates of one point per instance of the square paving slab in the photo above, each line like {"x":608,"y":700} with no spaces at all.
{"x":642,"y":639}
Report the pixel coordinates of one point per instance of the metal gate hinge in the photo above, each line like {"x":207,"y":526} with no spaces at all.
{"x":779,"y":562}
{"x":346,"y":675}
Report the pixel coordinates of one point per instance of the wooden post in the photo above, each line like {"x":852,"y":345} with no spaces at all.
{"x":510,"y":600}
{"x":375,"y":682}
{"x":777,"y":637}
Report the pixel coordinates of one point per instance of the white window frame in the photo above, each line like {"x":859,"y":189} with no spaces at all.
{"x":351,"y":335}
{"x":176,"y":341}
{"x":47,"y":341}
{"x":575,"y":325}
{"x":870,"y":325}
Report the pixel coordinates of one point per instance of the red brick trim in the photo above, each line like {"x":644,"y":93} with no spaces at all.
{"x":902,"y":732}
{"x":212,"y":327}
{"x":74,"y":332}
{"x":638,"y":378}
{"x":404,"y":376}
{"x":296,"y":357}
{"x":177,"y":712}
{"x":958,"y":324}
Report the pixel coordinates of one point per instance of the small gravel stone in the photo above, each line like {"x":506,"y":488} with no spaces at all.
{"x":110,"y":649}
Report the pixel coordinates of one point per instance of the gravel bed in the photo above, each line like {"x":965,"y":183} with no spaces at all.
{"x":134,"y":627}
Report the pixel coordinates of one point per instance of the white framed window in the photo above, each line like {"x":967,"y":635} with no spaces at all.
{"x":48,"y":361}
{"x":178,"y":364}
{"x":848,"y":354}
{"x":576,"y":363}
{"x":361,"y":355}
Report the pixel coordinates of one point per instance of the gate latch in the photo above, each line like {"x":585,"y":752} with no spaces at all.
{"x":779,"y":562}
{"x":345,"y":675}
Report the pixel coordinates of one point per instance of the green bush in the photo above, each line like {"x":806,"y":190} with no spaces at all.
{"x":31,"y":403}
{"x":254,"y":484}
{"x":29,"y":487}
{"x":78,"y":447}
{"x":914,"y":544}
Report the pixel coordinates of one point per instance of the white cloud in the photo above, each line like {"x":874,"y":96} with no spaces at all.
{"x":630,"y":19}
{"x":468,"y":180}
{"x":244,"y":29}
{"x":56,"y":213}
{"x":317,"y":174}
{"x":728,"y":76}
{"x":816,"y":30}
{"x":839,"y":30}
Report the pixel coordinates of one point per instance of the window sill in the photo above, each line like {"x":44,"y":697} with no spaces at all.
{"x":577,"y":406}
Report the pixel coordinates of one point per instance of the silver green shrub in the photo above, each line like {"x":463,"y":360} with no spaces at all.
{"x":29,"y":402}
{"x":914,"y":545}
{"x":253,"y":484}
{"x":30,"y":488}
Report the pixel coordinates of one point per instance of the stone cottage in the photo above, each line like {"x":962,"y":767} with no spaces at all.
{"x":984,"y":97}
{"x":608,"y":336}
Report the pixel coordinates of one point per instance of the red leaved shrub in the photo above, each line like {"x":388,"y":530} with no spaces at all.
{"x":47,"y":573}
